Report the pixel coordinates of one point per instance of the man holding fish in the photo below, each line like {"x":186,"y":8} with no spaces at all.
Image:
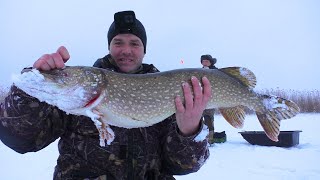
{"x":175,"y":146}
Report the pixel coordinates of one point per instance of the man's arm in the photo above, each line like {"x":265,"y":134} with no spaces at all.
{"x":185,"y":154}
{"x":185,"y":146}
{"x":28,"y":125}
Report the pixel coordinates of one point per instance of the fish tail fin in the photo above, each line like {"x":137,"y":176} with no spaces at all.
{"x":235,"y":116}
{"x":276,"y":109}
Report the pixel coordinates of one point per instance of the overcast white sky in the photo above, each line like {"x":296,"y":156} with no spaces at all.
{"x":279,"y":40}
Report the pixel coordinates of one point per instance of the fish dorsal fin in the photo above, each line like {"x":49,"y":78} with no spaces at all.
{"x":235,"y":115}
{"x":243,"y":75}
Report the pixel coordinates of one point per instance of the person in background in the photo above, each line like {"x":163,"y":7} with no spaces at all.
{"x":175,"y":146}
{"x":209,"y":62}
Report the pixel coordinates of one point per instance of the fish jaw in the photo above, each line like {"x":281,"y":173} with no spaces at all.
{"x":58,"y":88}
{"x":76,"y":91}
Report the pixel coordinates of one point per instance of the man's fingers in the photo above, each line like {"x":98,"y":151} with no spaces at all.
{"x":197,"y":91}
{"x":56,"y":61}
{"x":179,"y":104}
{"x":44,"y":67}
{"x":207,"y":93}
{"x":197,"y":95}
{"x":196,"y":98}
{"x":53,"y":61}
{"x":63,"y":53}
{"x":41,"y":62}
{"x":187,"y":95}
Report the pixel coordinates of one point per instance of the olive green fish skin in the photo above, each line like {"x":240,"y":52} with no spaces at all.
{"x":156,"y":92}
{"x":151,"y":96}
{"x":140,"y":100}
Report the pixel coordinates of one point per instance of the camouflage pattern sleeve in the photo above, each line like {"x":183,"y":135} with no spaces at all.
{"x":185,"y":155}
{"x":28,"y":125}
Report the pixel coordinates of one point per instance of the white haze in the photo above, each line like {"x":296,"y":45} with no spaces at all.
{"x":278,"y":40}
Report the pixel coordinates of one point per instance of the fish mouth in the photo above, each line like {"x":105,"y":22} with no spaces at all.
{"x":27,"y":70}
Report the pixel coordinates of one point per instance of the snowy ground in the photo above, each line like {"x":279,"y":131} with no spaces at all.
{"x":235,"y":159}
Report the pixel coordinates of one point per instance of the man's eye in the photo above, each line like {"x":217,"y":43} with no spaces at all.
{"x":135,"y":44}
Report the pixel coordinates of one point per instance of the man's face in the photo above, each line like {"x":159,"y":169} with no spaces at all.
{"x":206,"y":63}
{"x":127,"y":51}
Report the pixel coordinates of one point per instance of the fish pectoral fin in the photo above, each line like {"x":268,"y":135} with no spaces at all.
{"x":94,"y":115}
{"x":105,"y":132}
{"x":234,"y":116}
{"x":96,"y":112}
{"x":270,"y":124}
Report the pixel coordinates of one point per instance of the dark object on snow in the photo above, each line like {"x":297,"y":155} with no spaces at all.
{"x":219,"y":137}
{"x":286,"y":138}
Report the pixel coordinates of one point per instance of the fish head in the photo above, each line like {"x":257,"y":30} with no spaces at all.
{"x":69,"y":89}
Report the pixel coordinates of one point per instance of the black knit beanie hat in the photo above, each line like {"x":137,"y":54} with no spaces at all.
{"x":208,"y":57}
{"x":125,"y":22}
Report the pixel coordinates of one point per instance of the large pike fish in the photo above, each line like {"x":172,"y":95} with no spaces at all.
{"x":141,"y":100}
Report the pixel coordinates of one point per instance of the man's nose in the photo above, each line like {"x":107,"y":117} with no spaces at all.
{"x":126,"y":49}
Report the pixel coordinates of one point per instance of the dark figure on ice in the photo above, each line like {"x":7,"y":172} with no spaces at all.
{"x":209,"y":62}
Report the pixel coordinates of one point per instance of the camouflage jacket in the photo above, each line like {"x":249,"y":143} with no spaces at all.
{"x":156,"y":152}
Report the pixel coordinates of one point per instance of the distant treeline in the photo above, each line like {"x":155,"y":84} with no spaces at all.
{"x":308,"y":101}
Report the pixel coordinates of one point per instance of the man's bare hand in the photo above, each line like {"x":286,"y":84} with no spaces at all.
{"x":55,"y":60}
{"x":188,"y":116}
